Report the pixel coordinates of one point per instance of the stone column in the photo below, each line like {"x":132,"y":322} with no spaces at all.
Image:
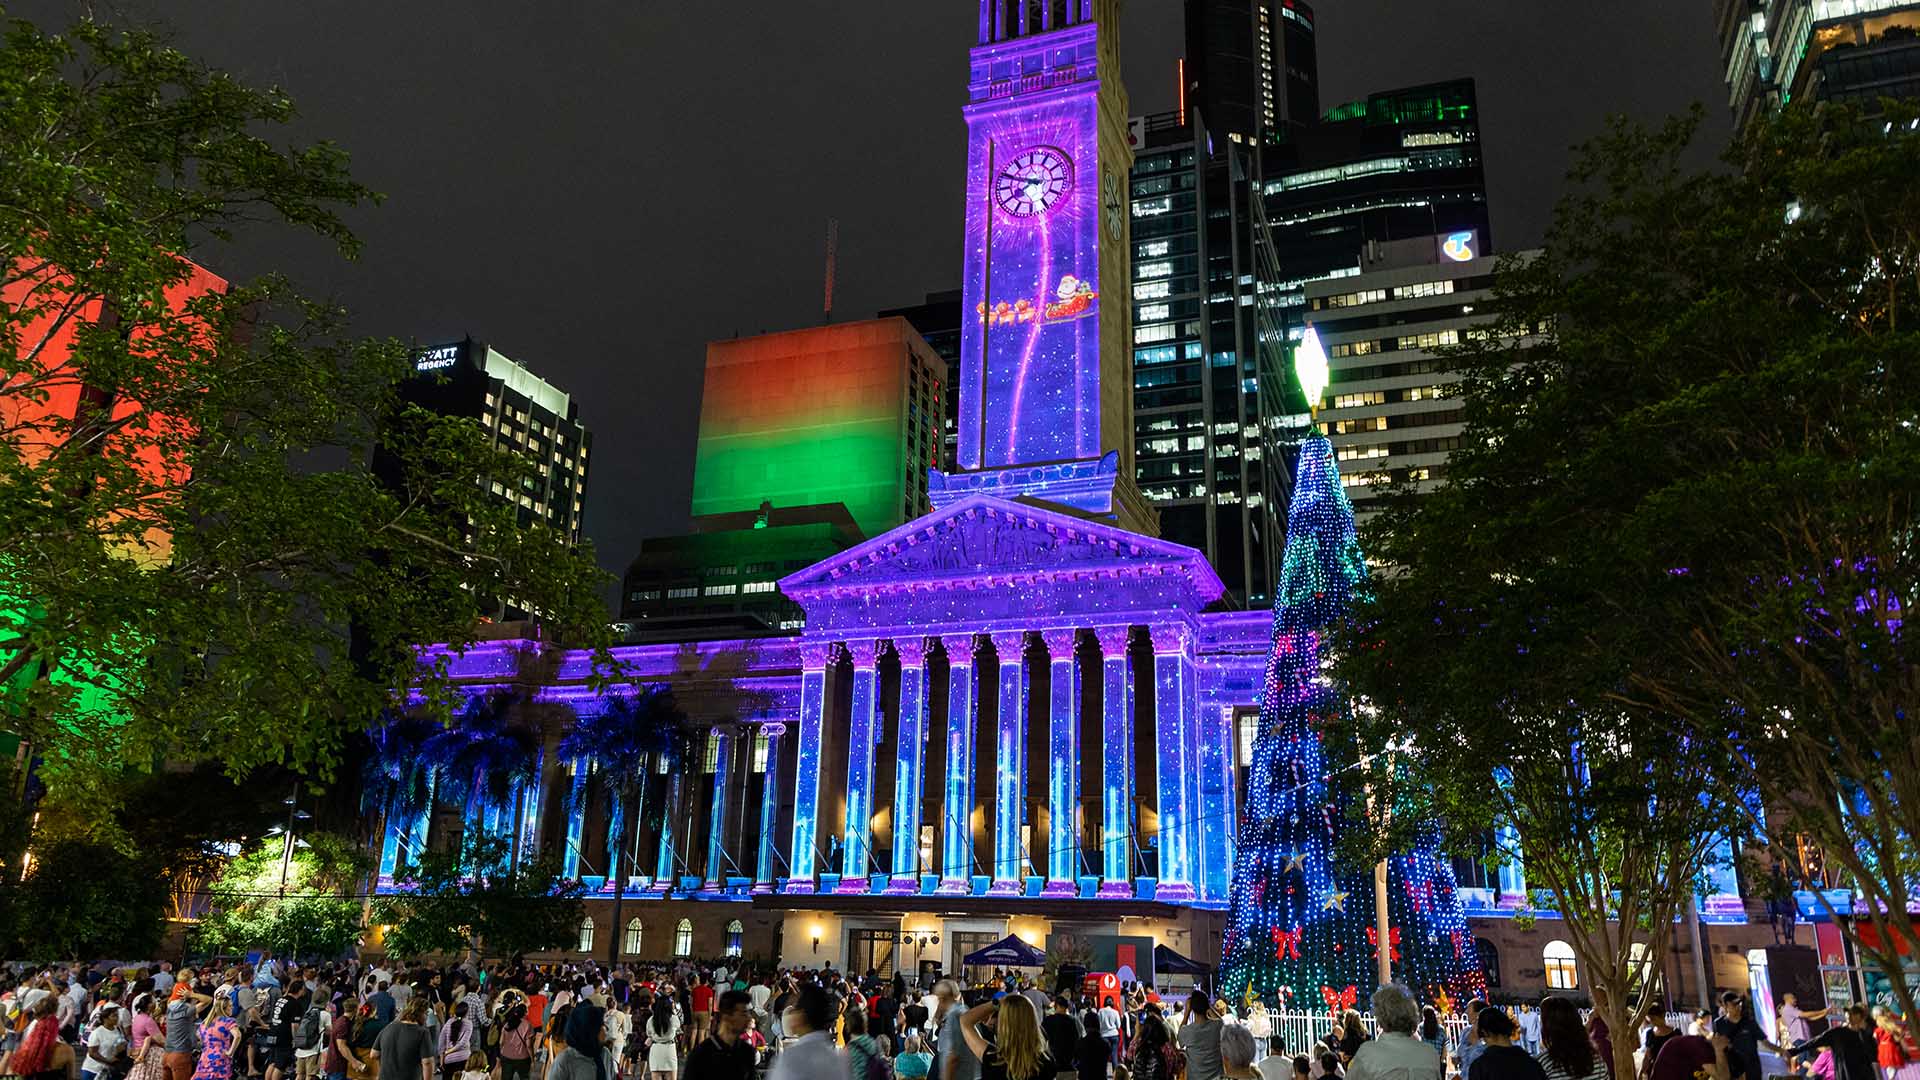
{"x":956,"y":806}
{"x":526,"y":839}
{"x":1063,"y":763}
{"x":909,"y":756}
{"x":862,"y":732}
{"x":576,"y":816}
{"x":769,"y":810}
{"x":665,"y":876}
{"x":717,"y":808}
{"x":1173,"y":720}
{"x":1116,"y":761}
{"x":1214,"y":824}
{"x":1010,"y":793}
{"x":814,"y":658}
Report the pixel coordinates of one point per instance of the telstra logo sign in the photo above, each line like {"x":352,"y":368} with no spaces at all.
{"x":1458,"y":246}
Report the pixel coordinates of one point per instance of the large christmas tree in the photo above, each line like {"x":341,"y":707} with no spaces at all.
{"x":1301,"y":932}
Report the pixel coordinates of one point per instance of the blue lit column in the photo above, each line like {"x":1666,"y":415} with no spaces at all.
{"x":1010,"y":792}
{"x":862,"y":732}
{"x":526,"y":838}
{"x":717,"y":809}
{"x":1173,"y":722}
{"x":1513,"y":873}
{"x":814,"y":659}
{"x":665,"y":878}
{"x":769,"y":809}
{"x":1116,"y":761}
{"x":1063,"y":762}
{"x":909,"y":750}
{"x":577,"y":818}
{"x":1214,"y":823}
{"x":956,"y":805}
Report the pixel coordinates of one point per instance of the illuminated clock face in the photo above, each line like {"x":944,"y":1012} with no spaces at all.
{"x":1111,"y":203}
{"x":1033,"y":181}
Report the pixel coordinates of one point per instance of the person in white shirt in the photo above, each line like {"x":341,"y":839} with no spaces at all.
{"x":1110,"y":1029}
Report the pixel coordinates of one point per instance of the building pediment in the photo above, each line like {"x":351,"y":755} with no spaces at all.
{"x":985,"y":543}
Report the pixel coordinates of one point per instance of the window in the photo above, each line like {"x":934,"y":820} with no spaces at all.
{"x":757,"y":587}
{"x":1489,"y":961}
{"x":1152,"y":290}
{"x":760,"y":747}
{"x":682,"y":593}
{"x":633,"y":936}
{"x":1163,"y":332}
{"x":1154,"y":312}
{"x":1563,"y":971}
{"x":1355,"y":299}
{"x":586,"y":934}
{"x":1424,"y":288}
{"x":1426,"y":393}
{"x":1365,"y":423}
{"x":735,"y":931}
{"x":683,"y":938}
{"x":711,"y":762}
{"x":1354,"y":401}
{"x":1430,"y":340}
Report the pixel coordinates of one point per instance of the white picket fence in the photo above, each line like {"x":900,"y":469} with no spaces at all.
{"x":1300,"y":1030}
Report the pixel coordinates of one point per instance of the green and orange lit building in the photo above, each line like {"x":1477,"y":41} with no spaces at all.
{"x":810,"y":442}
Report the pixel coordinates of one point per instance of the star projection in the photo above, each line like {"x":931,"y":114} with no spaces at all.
{"x":1299,"y":926}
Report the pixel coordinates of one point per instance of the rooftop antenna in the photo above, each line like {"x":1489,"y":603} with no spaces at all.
{"x":833,"y":253}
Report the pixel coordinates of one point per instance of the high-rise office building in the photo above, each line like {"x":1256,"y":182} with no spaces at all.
{"x":1776,"y":52}
{"x":848,"y":413}
{"x":1227,"y":232}
{"x":811,"y":441}
{"x":521,"y":412}
{"x":1251,"y":67}
{"x":937,"y":318}
{"x":1390,"y":407}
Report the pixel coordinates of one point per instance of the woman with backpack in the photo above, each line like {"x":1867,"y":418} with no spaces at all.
{"x":517,"y":1039}
{"x":456,"y":1042}
{"x":866,"y":1058}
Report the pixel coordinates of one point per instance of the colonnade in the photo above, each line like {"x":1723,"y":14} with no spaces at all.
{"x":1017,"y":720}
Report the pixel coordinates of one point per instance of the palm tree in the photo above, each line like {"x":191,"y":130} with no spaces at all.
{"x":483,"y":759}
{"x":629,"y":735}
{"x":396,"y":781}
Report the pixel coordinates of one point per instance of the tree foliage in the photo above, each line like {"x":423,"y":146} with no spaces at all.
{"x":478,"y":899}
{"x":305,"y":905}
{"x":196,"y":562}
{"x":1689,"y":452}
{"x":83,"y":899}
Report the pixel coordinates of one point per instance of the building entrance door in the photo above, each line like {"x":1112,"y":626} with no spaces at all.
{"x":871,"y":950}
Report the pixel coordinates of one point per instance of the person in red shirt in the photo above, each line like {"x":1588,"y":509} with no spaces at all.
{"x":702,"y":1008}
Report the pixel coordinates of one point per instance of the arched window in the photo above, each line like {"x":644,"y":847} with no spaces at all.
{"x":1489,"y":961}
{"x":734,"y":932}
{"x":633,"y":936}
{"x":683,"y":938}
{"x":1563,"y":972}
{"x":586,"y":934}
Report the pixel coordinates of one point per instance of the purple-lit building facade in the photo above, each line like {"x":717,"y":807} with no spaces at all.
{"x":1019,"y":713}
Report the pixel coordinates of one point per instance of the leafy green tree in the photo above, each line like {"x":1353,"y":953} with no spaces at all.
{"x":477,"y":900}
{"x":1682,"y":427}
{"x":82,"y":900}
{"x":198,"y":563}
{"x":305,"y":904}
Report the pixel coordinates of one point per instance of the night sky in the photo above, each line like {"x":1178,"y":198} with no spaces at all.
{"x":598,"y":187}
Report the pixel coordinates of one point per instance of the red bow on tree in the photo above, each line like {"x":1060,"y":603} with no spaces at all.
{"x":1393,"y":941}
{"x":1338,"y":1002}
{"x":1286,"y":944}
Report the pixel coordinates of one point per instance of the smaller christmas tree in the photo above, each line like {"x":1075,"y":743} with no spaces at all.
{"x":1301,"y":929}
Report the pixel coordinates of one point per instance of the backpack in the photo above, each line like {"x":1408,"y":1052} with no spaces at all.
{"x":878,"y":1067}
{"x":307,"y":1035}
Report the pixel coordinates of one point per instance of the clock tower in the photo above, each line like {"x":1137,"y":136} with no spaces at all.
{"x":1046,"y":350}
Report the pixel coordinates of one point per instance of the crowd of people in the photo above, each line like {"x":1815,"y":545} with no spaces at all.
{"x":273,"y":1020}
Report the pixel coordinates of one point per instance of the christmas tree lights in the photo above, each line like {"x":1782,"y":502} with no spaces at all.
{"x":1300,"y":928}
